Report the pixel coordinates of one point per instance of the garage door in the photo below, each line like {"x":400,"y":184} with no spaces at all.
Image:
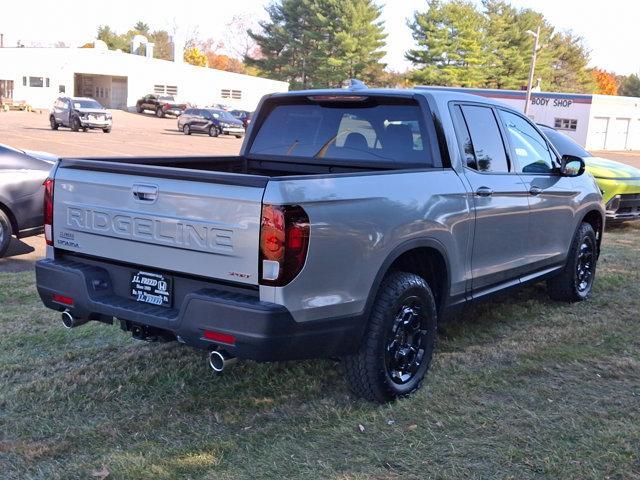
{"x":119,"y":93}
{"x":618,"y":133}
{"x":598,"y":133}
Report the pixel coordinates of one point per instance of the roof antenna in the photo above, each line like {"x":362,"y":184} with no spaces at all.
{"x":354,"y":84}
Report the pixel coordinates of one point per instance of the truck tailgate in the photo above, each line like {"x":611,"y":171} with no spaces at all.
{"x":170,"y":224}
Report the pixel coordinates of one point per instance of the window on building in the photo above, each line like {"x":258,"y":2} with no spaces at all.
{"x":225,"y":93}
{"x":171,"y":90}
{"x":36,"y":81}
{"x":159,"y":89}
{"x":24,"y":81}
{"x":566,"y":124}
{"x":47,"y":82}
{"x":236,"y":94}
{"x":6,"y":88}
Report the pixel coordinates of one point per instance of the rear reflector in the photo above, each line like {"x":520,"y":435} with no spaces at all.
{"x":62,"y":299}
{"x":220,"y":337}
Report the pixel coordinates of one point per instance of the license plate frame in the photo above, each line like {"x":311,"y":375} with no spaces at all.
{"x":151,"y":288}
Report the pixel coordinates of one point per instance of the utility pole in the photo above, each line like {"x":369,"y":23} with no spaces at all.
{"x":532,"y":70}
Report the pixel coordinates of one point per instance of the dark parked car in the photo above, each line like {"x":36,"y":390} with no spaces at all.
{"x":21,"y":193}
{"x":79,"y":113}
{"x":243,"y":116}
{"x":161,"y":105}
{"x":211,"y":121}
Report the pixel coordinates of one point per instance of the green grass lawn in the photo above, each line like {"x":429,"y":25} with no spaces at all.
{"x":521,"y":388}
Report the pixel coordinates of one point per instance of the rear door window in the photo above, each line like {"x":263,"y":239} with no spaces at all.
{"x":376,"y":131}
{"x":488,"y":146}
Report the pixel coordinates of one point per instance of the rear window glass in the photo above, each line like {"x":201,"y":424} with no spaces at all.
{"x":384,"y":132}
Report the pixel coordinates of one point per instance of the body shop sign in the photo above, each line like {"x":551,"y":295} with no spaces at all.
{"x":556,"y":102}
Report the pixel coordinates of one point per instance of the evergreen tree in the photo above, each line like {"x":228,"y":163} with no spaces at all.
{"x":319,"y":43}
{"x":630,"y":86}
{"x":451,"y":47}
{"x":568,"y":72}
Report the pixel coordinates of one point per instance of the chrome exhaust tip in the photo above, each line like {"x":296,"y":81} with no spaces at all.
{"x":218,"y":359}
{"x":69,"y":321}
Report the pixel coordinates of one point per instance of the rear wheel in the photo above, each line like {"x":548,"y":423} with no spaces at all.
{"x":575,"y":282}
{"x":5,"y":233}
{"x":53,"y":123}
{"x":213,"y":131}
{"x":396,"y":351}
{"x":106,"y":130}
{"x":186,"y":129}
{"x":140,"y":109}
{"x":238,"y":136}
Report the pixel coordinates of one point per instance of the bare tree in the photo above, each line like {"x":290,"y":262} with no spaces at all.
{"x":237,"y":41}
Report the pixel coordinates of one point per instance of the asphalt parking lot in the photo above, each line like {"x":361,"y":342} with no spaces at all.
{"x":133,"y":134}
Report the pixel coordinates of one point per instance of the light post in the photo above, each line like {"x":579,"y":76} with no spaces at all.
{"x":534,"y":54}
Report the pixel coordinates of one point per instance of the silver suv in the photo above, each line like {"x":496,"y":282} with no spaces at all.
{"x":79,"y":113}
{"x":352,"y":223}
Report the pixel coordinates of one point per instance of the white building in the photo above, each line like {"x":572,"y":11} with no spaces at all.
{"x":597,"y":122}
{"x":117,"y":80}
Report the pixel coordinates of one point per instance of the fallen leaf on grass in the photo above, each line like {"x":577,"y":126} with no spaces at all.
{"x":361,"y":428}
{"x":101,"y":474}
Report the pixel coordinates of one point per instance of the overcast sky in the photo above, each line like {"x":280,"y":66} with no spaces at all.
{"x":610,"y":28}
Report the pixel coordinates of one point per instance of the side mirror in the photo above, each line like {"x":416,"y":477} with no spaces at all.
{"x":571,"y":166}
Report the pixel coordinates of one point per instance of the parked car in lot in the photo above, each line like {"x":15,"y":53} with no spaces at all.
{"x":351,"y":224}
{"x":244,"y":116}
{"x":21,"y":193}
{"x":79,"y":113}
{"x":619,"y":183}
{"x":210,"y":121}
{"x":161,"y":105}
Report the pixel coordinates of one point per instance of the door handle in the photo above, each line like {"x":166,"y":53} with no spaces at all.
{"x":535,"y":190}
{"x":484,"y":192}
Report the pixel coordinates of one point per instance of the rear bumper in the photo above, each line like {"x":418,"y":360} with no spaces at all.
{"x":263,"y":331}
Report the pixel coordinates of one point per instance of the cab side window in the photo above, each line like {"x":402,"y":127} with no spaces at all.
{"x":530,"y":150}
{"x":486,"y":140}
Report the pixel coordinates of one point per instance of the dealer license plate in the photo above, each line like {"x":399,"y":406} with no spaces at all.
{"x":152,"y":288}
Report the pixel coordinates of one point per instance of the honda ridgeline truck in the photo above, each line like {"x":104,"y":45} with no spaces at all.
{"x":351,"y":223}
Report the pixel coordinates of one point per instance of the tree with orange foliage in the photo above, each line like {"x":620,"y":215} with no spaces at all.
{"x":606,"y":83}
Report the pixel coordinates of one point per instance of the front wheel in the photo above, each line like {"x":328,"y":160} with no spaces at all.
{"x":160,"y":113}
{"x":75,"y":124}
{"x":5,"y":233}
{"x":213,"y":131}
{"x":140,"y":109}
{"x":186,"y":129}
{"x":238,"y":136}
{"x":575,"y":282}
{"x":53,"y":123}
{"x":106,"y":130}
{"x":396,"y":351}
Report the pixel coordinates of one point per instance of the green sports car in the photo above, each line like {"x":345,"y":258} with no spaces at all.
{"x":619,"y":183}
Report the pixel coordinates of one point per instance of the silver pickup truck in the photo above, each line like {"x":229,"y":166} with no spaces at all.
{"x":352,"y":223}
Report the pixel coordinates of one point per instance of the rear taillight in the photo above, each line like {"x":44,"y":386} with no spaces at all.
{"x":284,"y":240}
{"x":48,"y":210}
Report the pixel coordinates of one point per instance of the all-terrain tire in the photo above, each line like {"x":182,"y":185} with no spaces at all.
{"x":367,"y":372}
{"x":568,"y":285}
